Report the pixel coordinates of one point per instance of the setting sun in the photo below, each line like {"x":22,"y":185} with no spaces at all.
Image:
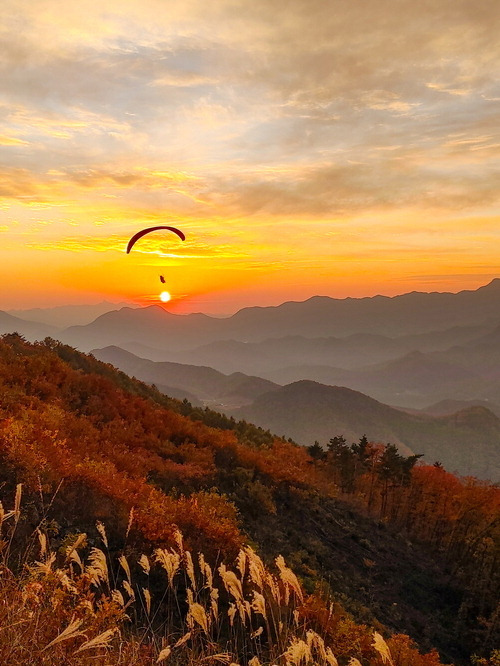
{"x":165,"y":296}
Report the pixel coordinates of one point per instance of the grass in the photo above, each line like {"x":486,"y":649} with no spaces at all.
{"x":82,"y":605}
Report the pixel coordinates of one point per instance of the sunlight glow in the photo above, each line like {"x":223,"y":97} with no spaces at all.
{"x":165,"y":296}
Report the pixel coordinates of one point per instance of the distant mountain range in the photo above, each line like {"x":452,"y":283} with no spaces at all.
{"x":204,"y":384}
{"x":63,"y":316}
{"x":412,"y":380}
{"x":467,"y":441}
{"x":31,"y":330}
{"x":354,"y":351}
{"x":463,"y":372}
{"x":385,"y":368}
{"x":409,"y":314}
{"x":421,"y":321}
{"x":444,"y":407}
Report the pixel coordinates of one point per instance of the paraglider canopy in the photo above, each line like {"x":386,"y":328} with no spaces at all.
{"x":143,"y":232}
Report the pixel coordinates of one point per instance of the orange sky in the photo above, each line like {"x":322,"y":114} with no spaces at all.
{"x":342,"y":149}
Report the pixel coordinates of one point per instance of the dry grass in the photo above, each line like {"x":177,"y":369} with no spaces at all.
{"x":82,"y":606}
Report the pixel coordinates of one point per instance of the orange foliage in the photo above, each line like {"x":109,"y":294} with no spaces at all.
{"x":114,"y":450}
{"x":404,"y":652}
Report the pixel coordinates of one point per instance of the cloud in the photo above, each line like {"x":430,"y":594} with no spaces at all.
{"x":231,"y":82}
{"x":244,"y":117}
{"x":384,"y":180}
{"x":345,"y":189}
{"x":20,"y":184}
{"x":85,"y":188}
{"x":152,"y":248}
{"x":12,"y":141}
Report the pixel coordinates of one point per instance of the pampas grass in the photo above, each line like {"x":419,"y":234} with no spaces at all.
{"x":243,"y":615}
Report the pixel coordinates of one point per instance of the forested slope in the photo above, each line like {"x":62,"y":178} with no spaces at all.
{"x":90,"y":444}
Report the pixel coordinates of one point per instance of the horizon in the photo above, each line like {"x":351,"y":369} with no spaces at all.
{"x":166,"y":308}
{"x":301,"y":153}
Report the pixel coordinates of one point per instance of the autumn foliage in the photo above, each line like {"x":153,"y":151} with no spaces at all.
{"x":82,"y":605}
{"x":90,"y":444}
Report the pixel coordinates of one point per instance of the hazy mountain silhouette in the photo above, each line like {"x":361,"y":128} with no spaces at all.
{"x":409,"y":381}
{"x":451,"y":406}
{"x":481,"y":354}
{"x":411,"y":313}
{"x":353,"y":351}
{"x":466,"y":372}
{"x":63,"y":316}
{"x":467,"y":441}
{"x":206,"y":384}
{"x":152,"y":326}
{"x":319,"y":316}
{"x":29,"y":329}
{"x":470,"y":371}
{"x":410,"y":350}
{"x":153,"y":354}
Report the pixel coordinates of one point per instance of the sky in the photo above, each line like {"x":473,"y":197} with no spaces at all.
{"x":333,"y":147}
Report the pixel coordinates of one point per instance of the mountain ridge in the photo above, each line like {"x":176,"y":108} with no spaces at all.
{"x":30,"y":329}
{"x":205,"y":383}
{"x":467,"y":441}
{"x":62,"y":316}
{"x":417,"y":312}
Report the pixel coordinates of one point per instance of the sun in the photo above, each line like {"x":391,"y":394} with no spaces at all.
{"x":165,"y":297}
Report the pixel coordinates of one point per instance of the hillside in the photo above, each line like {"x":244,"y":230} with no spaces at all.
{"x":467,"y":442}
{"x":89,"y":443}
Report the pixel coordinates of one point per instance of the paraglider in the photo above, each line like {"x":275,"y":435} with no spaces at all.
{"x":164,"y":296}
{"x":142,"y":233}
